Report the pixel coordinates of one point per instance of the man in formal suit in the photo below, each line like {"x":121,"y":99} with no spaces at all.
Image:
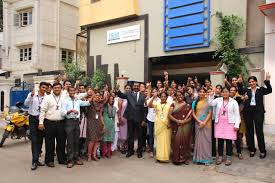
{"x":135,"y":115}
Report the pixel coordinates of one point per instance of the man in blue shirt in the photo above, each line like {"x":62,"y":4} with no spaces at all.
{"x":71,"y":112}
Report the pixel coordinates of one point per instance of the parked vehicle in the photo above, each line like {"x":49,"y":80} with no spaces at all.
{"x":17,"y":124}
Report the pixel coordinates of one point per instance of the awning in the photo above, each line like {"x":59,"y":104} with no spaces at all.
{"x":267,"y":9}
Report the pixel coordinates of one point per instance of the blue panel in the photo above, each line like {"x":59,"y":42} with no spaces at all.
{"x":186,"y":41}
{"x":18,"y":96}
{"x":178,"y":3}
{"x":186,"y":24}
{"x":184,"y":31}
{"x":186,"y":10}
{"x":184,"y":21}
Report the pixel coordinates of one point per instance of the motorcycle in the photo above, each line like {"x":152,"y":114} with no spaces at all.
{"x":17,"y":124}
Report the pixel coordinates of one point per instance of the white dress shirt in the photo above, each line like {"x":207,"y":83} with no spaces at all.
{"x":51,"y":108}
{"x":151,"y":111}
{"x":34,"y":102}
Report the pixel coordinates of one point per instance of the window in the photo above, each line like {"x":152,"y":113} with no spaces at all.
{"x":25,"y":54}
{"x":23,"y":18}
{"x":94,"y":1}
{"x":67,"y":55}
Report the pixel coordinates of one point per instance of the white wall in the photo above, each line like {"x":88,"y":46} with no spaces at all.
{"x":269,"y":64}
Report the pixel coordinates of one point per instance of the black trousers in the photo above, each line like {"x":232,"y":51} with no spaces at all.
{"x":229,"y":147}
{"x":214,"y":142}
{"x":72,"y":132}
{"x":55,"y":131}
{"x":254,"y":118}
{"x":238,"y":143}
{"x":133,"y":127}
{"x":36,"y":138}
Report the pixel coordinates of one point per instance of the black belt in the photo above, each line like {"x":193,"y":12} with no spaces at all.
{"x":56,"y":121}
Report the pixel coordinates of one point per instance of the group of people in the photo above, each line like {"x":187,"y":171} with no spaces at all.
{"x":171,"y":122}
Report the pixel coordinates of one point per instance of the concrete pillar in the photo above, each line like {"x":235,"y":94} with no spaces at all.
{"x":122,"y":81}
{"x":269,"y":64}
{"x":217,"y":77}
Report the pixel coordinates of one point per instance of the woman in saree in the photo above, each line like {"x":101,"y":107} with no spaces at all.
{"x":202,"y":114}
{"x":162,"y":127}
{"x":180,"y":115}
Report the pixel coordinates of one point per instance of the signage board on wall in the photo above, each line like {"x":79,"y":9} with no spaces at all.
{"x":123,"y":34}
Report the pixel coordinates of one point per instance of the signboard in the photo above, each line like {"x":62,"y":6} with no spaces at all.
{"x":123,"y":34}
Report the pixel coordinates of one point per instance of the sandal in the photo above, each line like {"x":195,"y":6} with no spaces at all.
{"x":228,"y":161}
{"x":240,"y":156}
{"x":262,"y":155}
{"x":219,"y":160}
{"x":252,"y":154}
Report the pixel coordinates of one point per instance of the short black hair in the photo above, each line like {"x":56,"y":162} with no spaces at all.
{"x":220,"y":86}
{"x":43,"y":83}
{"x":81,"y":85}
{"x":66,"y":82}
{"x":57,"y":84}
{"x":71,"y":87}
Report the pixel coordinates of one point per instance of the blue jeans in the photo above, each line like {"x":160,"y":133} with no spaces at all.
{"x":151,"y":135}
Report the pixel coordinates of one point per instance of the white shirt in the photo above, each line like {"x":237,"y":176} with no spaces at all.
{"x":170,"y":100}
{"x":253,"y":98}
{"x":233,"y":110}
{"x":51,"y":108}
{"x":151,"y":116}
{"x":34,"y":103}
{"x":80,"y":96}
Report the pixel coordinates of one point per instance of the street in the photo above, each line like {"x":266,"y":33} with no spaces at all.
{"x":15,"y":158}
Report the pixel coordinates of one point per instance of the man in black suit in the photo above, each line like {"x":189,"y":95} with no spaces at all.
{"x":135,"y":115}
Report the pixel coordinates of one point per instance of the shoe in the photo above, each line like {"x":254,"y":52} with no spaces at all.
{"x":228,"y":162}
{"x":63,"y":162}
{"x":70,"y":165}
{"x":40,"y":164}
{"x":240,"y":156}
{"x":262,"y":155}
{"x":129,"y":154}
{"x":139,"y":155}
{"x":252,"y":154}
{"x":34,"y":166}
{"x":219,"y":160}
{"x":79,"y":162}
{"x":50,"y":164}
{"x":123,"y":152}
{"x":151,"y":155}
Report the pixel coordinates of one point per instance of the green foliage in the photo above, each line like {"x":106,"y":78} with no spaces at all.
{"x":73,"y":72}
{"x":227,"y":35}
{"x":98,"y":79}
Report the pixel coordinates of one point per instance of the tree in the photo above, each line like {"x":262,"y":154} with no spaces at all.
{"x":227,"y":35}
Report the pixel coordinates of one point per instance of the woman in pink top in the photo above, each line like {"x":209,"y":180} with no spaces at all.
{"x":227,"y":122}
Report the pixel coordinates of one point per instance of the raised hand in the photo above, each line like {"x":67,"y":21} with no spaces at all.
{"x":268,"y":76}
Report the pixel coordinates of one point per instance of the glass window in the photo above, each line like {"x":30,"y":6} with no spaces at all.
{"x":25,"y":54}
{"x":67,"y":55}
{"x":23,"y":18}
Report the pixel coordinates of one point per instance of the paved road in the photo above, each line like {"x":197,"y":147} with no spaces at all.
{"x":15,"y":166}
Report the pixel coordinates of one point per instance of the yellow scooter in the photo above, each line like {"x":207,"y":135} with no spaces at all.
{"x":17,"y":124}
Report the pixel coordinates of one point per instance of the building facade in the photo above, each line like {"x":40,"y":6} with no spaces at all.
{"x":38,"y":36}
{"x":140,"y":39}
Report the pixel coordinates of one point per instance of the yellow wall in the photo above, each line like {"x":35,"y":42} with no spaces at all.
{"x":90,"y":13}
